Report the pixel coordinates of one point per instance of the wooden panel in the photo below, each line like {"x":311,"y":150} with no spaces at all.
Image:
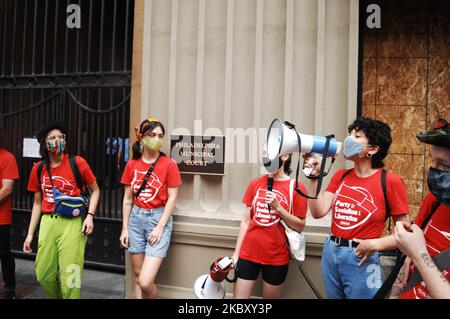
{"x":439,"y":89}
{"x":405,"y":122}
{"x":370,"y":45}
{"x":369,"y":81}
{"x":402,"y":45}
{"x":369,"y":110}
{"x":410,"y":167}
{"x":401,"y":81}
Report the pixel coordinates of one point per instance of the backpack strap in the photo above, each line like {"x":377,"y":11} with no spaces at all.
{"x":76,"y":172}
{"x":39,"y":172}
{"x":386,"y":202}
{"x":291,"y":194}
{"x":50,"y":177}
{"x":427,"y":219}
{"x":345,"y":174}
{"x":442,"y":261}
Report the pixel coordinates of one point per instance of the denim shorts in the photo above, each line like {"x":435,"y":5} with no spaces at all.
{"x":141,"y":224}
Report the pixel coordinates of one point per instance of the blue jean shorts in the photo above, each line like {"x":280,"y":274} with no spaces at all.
{"x":141,"y":224}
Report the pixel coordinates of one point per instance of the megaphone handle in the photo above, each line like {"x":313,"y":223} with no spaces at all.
{"x":321,"y":175}
{"x":234,"y":277}
{"x":324,"y":174}
{"x":322,"y":167}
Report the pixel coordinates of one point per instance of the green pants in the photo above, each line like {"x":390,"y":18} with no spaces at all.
{"x":60,"y":256}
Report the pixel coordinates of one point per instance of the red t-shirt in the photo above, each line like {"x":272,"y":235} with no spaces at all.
{"x":166,"y":174}
{"x":63,"y":179}
{"x":358,"y":206}
{"x":263,"y":243}
{"x":437,"y":238}
{"x":8,"y":170}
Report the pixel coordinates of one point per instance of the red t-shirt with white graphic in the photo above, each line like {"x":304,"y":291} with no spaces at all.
{"x":437,"y":238}
{"x":165,"y":174}
{"x":263,"y":243}
{"x":63,"y":179}
{"x":358,"y":206}
{"x":8,"y":170}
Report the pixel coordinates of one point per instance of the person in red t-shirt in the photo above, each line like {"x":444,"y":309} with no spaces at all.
{"x":261,"y":244}
{"x":151,"y":182}
{"x":350,"y":258}
{"x":422,"y":247}
{"x":62,"y":240}
{"x":8,"y":173}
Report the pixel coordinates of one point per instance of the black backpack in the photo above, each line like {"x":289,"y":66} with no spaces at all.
{"x":85,"y":191}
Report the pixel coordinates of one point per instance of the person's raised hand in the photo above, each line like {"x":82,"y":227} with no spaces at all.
{"x":410,"y":240}
{"x":311,"y":164}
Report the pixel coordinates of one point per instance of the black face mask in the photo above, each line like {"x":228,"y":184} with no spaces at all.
{"x":439,"y":185}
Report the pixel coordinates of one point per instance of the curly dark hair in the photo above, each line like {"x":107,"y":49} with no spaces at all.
{"x":378,"y":134}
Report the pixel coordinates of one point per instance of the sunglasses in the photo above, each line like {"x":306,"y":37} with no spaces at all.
{"x":442,"y":124}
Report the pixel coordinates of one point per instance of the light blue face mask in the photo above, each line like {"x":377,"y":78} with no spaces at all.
{"x":352,"y":148}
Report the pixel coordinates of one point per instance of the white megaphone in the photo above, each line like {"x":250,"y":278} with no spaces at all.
{"x":210,"y":286}
{"x":282,"y":140}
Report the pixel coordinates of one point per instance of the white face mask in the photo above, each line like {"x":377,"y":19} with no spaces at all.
{"x":307,"y":171}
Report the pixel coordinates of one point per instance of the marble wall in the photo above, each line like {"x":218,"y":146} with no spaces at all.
{"x":406,"y":81}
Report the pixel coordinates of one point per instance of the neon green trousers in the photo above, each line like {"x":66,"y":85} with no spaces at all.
{"x":60,"y":257}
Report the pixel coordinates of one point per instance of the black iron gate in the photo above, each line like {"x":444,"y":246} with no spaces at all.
{"x":81,"y":76}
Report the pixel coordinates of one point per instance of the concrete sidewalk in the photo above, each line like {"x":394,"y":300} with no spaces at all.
{"x":96,"y":284}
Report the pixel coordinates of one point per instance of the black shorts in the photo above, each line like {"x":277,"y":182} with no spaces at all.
{"x":274,"y":275}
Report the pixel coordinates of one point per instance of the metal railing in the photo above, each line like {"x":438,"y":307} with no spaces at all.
{"x":81,"y":76}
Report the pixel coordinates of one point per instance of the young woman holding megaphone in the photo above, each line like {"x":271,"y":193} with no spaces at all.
{"x":361,"y":199}
{"x":261,"y":244}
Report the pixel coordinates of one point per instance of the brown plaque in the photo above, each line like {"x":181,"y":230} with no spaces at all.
{"x":197,"y":154}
